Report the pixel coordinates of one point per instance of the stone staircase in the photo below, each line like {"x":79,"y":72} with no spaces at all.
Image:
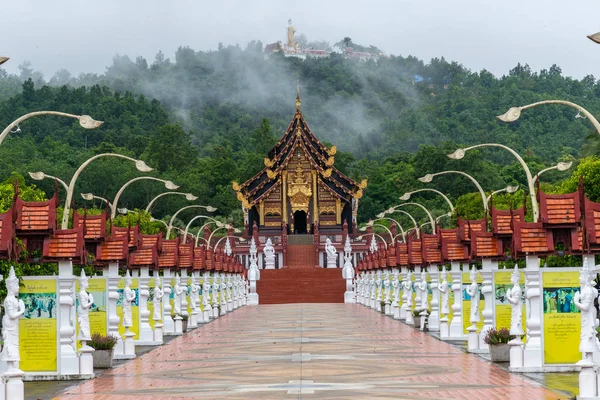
{"x":302,"y":285}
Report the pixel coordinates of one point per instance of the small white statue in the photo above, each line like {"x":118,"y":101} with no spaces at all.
{"x":157,"y":300}
{"x":348,"y":270}
{"x":177,"y":296}
{"x":330,"y":248}
{"x":386,"y":287}
{"x":473,"y":292}
{"x":206,"y":292}
{"x":396,"y":286}
{"x":423,"y":287}
{"x":513,"y":296}
{"x":194,"y":289}
{"x":13,"y":308}
{"x":408,"y":289}
{"x":85,"y":303}
{"x":228,"y":250}
{"x":584,"y":301}
{"x":128,"y":297}
{"x":269,"y":250}
{"x":444,"y":290}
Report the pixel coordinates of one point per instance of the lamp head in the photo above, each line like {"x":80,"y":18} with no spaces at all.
{"x":87,"y":196}
{"x":211,"y":209}
{"x":364,"y":228}
{"x":88,"y":122}
{"x":405,"y":196}
{"x":190,"y":197}
{"x":3,"y":59}
{"x":594,"y":38}
{"x":236,"y":230}
{"x":38,"y":176}
{"x":390,"y":210}
{"x":220,"y":224}
{"x":563,"y":166}
{"x":142,"y":166}
{"x":381,"y":215}
{"x":170,"y":185}
{"x":427,"y":178}
{"x":512,"y":189}
{"x":457,"y":155}
{"x":511,"y":115}
{"x":359,"y":237}
{"x":122,"y":210}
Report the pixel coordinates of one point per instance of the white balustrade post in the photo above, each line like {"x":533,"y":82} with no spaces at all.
{"x":184,"y":295}
{"x":194,"y":300}
{"x":533,"y":352}
{"x":456,"y":324}
{"x":403,"y":306}
{"x":69,"y":362}
{"x":487,"y":289}
{"x":146,"y":334}
{"x":434,"y":317}
{"x":169,"y":324}
{"x":207,"y":308}
{"x":113,"y":278}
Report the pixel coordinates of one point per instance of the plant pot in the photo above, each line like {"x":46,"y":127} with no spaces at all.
{"x":184,"y":325}
{"x":417,"y":320}
{"x":500,"y":352}
{"x":103,"y":358}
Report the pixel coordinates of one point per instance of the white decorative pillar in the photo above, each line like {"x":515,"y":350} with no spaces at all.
{"x":396,"y":294}
{"x":229,"y":292}
{"x":403,"y":273}
{"x":184,"y":294}
{"x":378,"y":290}
{"x":387,"y":293}
{"x":158,"y":296}
{"x":146,"y":334}
{"x":69,"y":362}
{"x":348,"y":273}
{"x":444,"y":289}
{"x":456,"y":325}
{"x":434,"y":317}
{"x":169,"y":324}
{"x":473,"y":292}
{"x":487,"y":289}
{"x":194,"y":300}
{"x":408,"y":289}
{"x":206,"y":286}
{"x":216,"y":298}
{"x":416,"y":285}
{"x":223,"y":294}
{"x":253,"y":275}
{"x":533,"y":352}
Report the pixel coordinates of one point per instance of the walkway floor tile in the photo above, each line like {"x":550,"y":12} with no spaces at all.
{"x":297,"y":351}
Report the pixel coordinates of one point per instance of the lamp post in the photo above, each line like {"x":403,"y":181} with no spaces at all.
{"x":188,"y":196}
{"x":219,"y":225}
{"x":139,"y":164}
{"x":371,"y":223}
{"x":168,"y":184}
{"x":85,"y":121}
{"x":406,"y":196}
{"x":376,"y":235}
{"x":508,"y":189}
{"x":392,"y":211}
{"x":431,"y":219}
{"x":561,"y":166}
{"x":38,"y":176}
{"x":90,"y":197}
{"x":393,"y":220}
{"x":429,"y":177}
{"x":208,"y":208}
{"x":514,"y":113}
{"x":236,"y":230}
{"x":460,"y":153}
{"x":187,"y":227}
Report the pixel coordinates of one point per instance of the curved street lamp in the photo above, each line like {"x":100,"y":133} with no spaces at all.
{"x":407,"y":195}
{"x":377,"y":235}
{"x":371,"y":223}
{"x":218,"y":223}
{"x":508,"y":189}
{"x":208,"y":208}
{"x":90,"y":197}
{"x":187,"y":227}
{"x":139,"y":164}
{"x":188,"y":196}
{"x":429,"y":177}
{"x":514,"y":113}
{"x":39,"y":175}
{"x":228,"y":226}
{"x":396,"y":222}
{"x":168,"y":184}
{"x":561,"y":166}
{"x":85,"y":121}
{"x":595,"y":37}
{"x":392,"y":210}
{"x":460,"y":153}
{"x":431,"y":219}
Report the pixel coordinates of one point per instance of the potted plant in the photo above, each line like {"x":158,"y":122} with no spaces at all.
{"x":184,"y":322}
{"x":382,"y":306}
{"x":497,"y":340}
{"x":104,"y":347}
{"x":417,"y":317}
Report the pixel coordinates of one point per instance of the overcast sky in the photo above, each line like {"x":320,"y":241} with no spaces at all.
{"x":83,"y":36}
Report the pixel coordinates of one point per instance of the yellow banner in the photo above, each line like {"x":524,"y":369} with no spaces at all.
{"x":97,"y":313}
{"x":466,"y":311}
{"x":503,"y":309}
{"x":37,"y":326}
{"x":135,"y":310}
{"x":562,"y":320}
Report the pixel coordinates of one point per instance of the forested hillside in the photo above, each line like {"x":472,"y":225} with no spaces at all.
{"x":207,"y":118}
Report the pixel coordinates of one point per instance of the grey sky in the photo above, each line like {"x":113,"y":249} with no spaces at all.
{"x":83,"y":36}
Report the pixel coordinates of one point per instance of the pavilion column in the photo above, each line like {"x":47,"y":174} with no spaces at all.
{"x":169,"y":324}
{"x":487,"y":289}
{"x":146,"y":335}
{"x":69,"y":362}
{"x":533,"y":352}
{"x":456,"y":325}
{"x":112,"y":272}
{"x":434,"y":317}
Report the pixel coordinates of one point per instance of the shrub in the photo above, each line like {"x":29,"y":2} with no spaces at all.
{"x":498,"y":336}
{"x":101,"y":342}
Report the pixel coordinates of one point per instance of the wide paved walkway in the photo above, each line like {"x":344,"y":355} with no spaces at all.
{"x":306,"y":351}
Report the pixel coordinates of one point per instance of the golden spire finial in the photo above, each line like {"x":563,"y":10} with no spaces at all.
{"x":298,"y":94}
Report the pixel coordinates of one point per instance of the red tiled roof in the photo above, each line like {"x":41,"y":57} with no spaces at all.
{"x":67,"y":244}
{"x":186,"y":255}
{"x":94,"y":226}
{"x":132,"y":232}
{"x":112,"y":249}
{"x":431,"y":248}
{"x":560,"y":209}
{"x":485,"y":245}
{"x":402,"y":254}
{"x":199,"y":257}
{"x":531,"y":238}
{"x":466,"y":227}
{"x":414,"y":251}
{"x":501,"y":220}
{"x":169,"y":254}
{"x":36,"y":216}
{"x":144,"y":256}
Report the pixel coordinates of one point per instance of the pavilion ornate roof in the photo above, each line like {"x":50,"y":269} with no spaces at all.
{"x":298,"y":135}
{"x":112,"y":249}
{"x":36,"y":217}
{"x":65,"y":244}
{"x":94,"y":226}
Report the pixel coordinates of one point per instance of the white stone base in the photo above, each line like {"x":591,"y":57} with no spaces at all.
{"x":15,"y":389}
{"x":253,"y":299}
{"x":178,"y":325}
{"x":349,"y":298}
{"x":86,"y":360}
{"x":158,"y":332}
